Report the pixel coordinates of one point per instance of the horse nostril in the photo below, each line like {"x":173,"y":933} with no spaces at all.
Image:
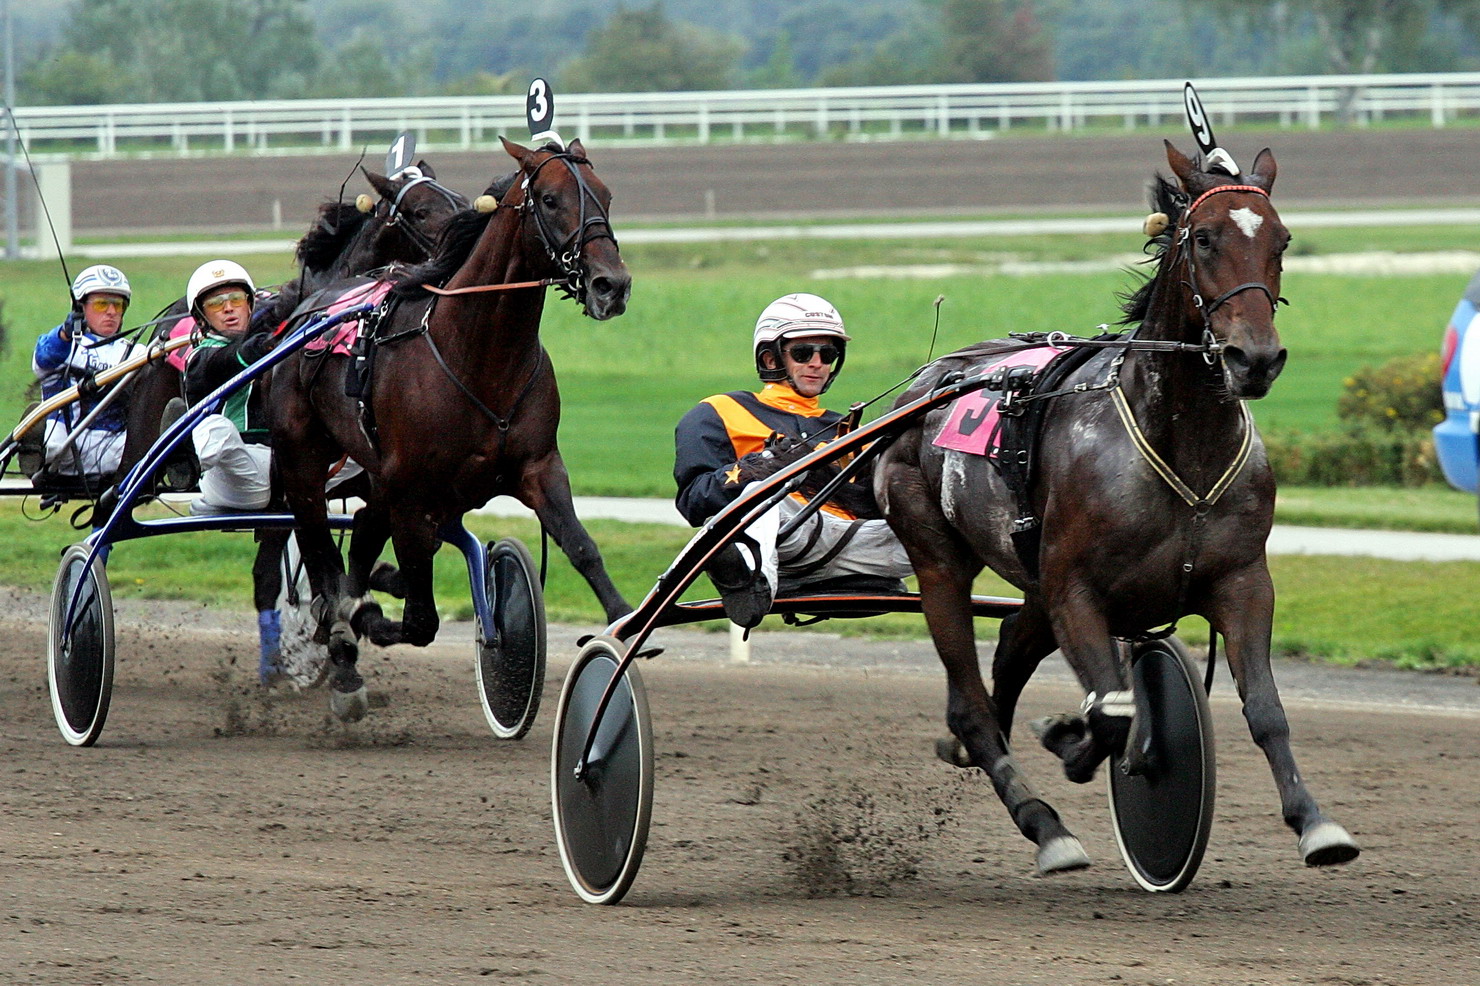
{"x":602,"y":286}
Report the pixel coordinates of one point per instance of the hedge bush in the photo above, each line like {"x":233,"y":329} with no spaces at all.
{"x":1388,"y":412}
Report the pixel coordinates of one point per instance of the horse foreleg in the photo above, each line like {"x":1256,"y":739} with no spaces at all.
{"x":1083,"y":740}
{"x":1242,"y":609}
{"x":367,"y":539}
{"x":545,"y":489}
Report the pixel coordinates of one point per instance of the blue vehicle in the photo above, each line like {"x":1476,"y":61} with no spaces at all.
{"x":1455,"y":436}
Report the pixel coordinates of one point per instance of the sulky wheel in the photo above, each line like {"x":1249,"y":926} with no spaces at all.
{"x":79,"y":647}
{"x":1163,"y":815}
{"x":601,"y":817}
{"x":511,"y":659}
{"x":301,"y":659}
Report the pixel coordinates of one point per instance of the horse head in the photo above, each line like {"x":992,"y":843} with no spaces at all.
{"x":412,"y":210}
{"x":569,"y":206}
{"x":1226,"y":248}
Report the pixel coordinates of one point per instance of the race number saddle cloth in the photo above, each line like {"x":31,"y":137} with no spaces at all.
{"x":1002,"y":423}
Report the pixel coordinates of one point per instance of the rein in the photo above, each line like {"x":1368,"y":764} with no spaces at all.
{"x":478,"y":288}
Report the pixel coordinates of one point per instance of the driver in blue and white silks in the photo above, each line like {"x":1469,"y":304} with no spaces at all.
{"x":732,"y":440}
{"x":73,"y":354}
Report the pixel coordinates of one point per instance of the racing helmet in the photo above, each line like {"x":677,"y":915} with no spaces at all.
{"x":796,"y":315}
{"x":100,"y":278}
{"x":213,"y":274}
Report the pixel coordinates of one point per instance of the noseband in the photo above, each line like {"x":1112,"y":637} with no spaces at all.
{"x":566,"y":252}
{"x":393,"y":217}
{"x":1184,"y":230}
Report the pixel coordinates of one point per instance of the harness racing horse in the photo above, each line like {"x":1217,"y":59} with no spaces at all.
{"x":463,"y":406}
{"x":1127,"y":541}
{"x":400,"y":226}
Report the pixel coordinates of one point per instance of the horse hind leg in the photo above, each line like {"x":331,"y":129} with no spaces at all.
{"x":415,"y":542}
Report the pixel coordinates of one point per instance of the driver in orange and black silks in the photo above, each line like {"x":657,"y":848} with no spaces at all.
{"x":732,"y":440}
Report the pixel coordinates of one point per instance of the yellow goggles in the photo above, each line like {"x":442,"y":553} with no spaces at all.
{"x":101,"y":305}
{"x":217,"y":302}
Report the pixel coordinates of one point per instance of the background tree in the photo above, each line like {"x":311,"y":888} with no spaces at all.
{"x":643,"y":51}
{"x":180,"y":50}
{"x":994,"y":41}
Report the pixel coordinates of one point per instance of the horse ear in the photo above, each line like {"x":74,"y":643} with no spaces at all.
{"x":381,"y":184}
{"x":575,"y":148}
{"x":1182,"y":166}
{"x":425,"y":169}
{"x":1264,"y":170}
{"x":518,"y":152}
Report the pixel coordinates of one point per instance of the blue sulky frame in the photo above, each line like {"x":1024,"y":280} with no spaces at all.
{"x":601,"y":764}
{"x":80,"y":637}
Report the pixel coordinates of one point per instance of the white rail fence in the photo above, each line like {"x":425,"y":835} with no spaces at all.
{"x":337,"y":125}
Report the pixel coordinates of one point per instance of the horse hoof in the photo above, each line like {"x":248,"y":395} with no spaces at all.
{"x":1066,"y":727}
{"x":1327,"y":844}
{"x":386,"y":578}
{"x":950,"y":750}
{"x":363,"y":611}
{"x":1061,"y":855}
{"x":350,"y":706}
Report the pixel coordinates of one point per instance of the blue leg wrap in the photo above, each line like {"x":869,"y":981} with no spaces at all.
{"x":269,"y":631}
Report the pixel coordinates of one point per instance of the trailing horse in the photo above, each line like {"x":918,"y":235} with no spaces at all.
{"x":1151,"y":499}
{"x":462,"y":404}
{"x":401,"y":225}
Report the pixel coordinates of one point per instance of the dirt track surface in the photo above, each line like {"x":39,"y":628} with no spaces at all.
{"x":216,"y":835}
{"x":768,"y":181}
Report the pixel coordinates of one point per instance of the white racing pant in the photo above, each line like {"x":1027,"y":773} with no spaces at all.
{"x":98,"y":451}
{"x":235,"y":475}
{"x":873,"y":549}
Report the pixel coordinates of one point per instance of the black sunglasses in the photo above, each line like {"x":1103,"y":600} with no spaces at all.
{"x":802,"y":352}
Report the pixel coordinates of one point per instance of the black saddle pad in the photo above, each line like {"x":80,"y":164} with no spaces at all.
{"x":864,"y":585}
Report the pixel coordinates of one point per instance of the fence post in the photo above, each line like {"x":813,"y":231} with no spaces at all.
{"x":53,"y":202}
{"x":1436,"y":106}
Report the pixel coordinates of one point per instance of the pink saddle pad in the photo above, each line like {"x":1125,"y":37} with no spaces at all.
{"x":344,"y":335}
{"x":972,"y":420}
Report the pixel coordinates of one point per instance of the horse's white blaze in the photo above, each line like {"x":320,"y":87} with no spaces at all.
{"x":1248,"y":220}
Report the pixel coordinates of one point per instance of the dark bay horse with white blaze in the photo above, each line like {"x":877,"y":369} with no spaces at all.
{"x":464,"y":404}
{"x":1155,"y":500}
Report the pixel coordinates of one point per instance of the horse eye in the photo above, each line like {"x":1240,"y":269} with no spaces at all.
{"x":548,"y":200}
{"x":1203,"y":239}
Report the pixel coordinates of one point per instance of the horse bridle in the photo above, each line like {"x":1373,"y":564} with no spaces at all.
{"x":1184,"y":231}
{"x":393,"y":216}
{"x":566,"y":253}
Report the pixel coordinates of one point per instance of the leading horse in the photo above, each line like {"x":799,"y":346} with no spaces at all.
{"x":1155,"y":499}
{"x":464,"y":405}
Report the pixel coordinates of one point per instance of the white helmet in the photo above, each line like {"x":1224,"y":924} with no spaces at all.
{"x":100,"y":277}
{"x":795,"y":315}
{"x":213,"y":274}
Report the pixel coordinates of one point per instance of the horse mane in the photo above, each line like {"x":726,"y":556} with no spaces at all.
{"x":457,"y":241}
{"x":335,"y":226}
{"x":1167,"y":197}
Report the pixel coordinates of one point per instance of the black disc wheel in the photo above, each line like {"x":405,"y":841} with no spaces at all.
{"x":79,"y":647}
{"x":1164,"y":811}
{"x":602,"y":813}
{"x":511,"y":658}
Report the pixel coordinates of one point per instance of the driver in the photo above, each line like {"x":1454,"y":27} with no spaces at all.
{"x":732,"y":440}
{"x":74,"y":353}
